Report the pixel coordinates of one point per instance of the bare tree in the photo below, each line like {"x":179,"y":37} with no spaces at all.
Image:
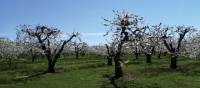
{"x":77,"y":48}
{"x":150,"y":40}
{"x":147,"y":42}
{"x":46,"y":38}
{"x":173,"y":41}
{"x":84,"y":48}
{"x":123,"y":26}
{"x":110,"y":53}
{"x":157,"y":34}
{"x":29,"y":43}
{"x":135,"y":46}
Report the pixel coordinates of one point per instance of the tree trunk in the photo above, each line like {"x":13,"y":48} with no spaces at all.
{"x":10,"y":62}
{"x":77,"y":55}
{"x":159,"y":55}
{"x":148,"y":58}
{"x":118,"y":67}
{"x":83,"y":53}
{"x":51,"y":69}
{"x":109,"y":60}
{"x":136,"y":55}
{"x":118,"y":70}
{"x":153,"y":51}
{"x":173,"y":64}
{"x":139,"y":53}
{"x":109,"y":55}
{"x":165,"y":53}
{"x":33,"y":57}
{"x":51,"y":66}
{"x":118,"y":60}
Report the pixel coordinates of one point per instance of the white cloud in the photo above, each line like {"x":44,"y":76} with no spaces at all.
{"x":3,"y":34}
{"x":92,"y":34}
{"x":85,"y":34}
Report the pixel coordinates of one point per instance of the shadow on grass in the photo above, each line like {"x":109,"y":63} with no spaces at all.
{"x":25,"y":78}
{"x":117,"y":82}
{"x":111,"y":79}
{"x":189,"y":69}
{"x":79,"y":67}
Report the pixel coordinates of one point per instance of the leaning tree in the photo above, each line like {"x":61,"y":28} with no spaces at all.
{"x":48,"y":41}
{"x":122,"y":27}
{"x":172,"y":39}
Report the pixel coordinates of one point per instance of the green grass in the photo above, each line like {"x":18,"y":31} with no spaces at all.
{"x":91,"y":71}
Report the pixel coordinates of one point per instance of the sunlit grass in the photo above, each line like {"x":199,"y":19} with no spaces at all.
{"x":90,"y":71}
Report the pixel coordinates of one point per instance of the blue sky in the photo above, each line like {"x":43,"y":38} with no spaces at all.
{"x":85,"y":16}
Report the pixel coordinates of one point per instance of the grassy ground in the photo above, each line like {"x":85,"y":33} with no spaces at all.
{"x":92,"y":72}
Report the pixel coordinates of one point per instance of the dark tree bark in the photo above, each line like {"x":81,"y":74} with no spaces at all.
{"x":118,"y":61}
{"x":159,"y":54}
{"x":9,"y":62}
{"x":139,"y":53}
{"x":77,"y":55}
{"x":148,"y":53}
{"x":148,"y":58}
{"x":123,"y":23}
{"x":109,"y":60}
{"x":165,"y":53}
{"x":153,"y":51}
{"x":173,"y":64}
{"x":76,"y":52}
{"x":44,"y":34}
{"x":33,"y":58}
{"x":118,"y":67}
{"x":175,"y":50}
{"x":77,"y":49}
{"x":136,"y":55}
{"x":52,"y":59}
{"x":109,"y":55}
{"x":33,"y":55}
{"x":50,"y":66}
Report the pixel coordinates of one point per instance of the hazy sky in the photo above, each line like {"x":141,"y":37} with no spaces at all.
{"x":85,"y":16}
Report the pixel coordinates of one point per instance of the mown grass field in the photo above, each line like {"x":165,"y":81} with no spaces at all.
{"x":92,"y":72}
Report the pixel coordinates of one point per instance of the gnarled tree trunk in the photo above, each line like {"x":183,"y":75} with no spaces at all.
{"x":165,"y":53}
{"x":173,"y":64}
{"x":118,"y":61}
{"x":136,"y":55}
{"x":77,"y":54}
{"x":109,"y":55}
{"x":118,"y":67}
{"x":109,"y":60}
{"x":50,"y":67}
{"x":148,"y":58}
{"x":159,"y":54}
